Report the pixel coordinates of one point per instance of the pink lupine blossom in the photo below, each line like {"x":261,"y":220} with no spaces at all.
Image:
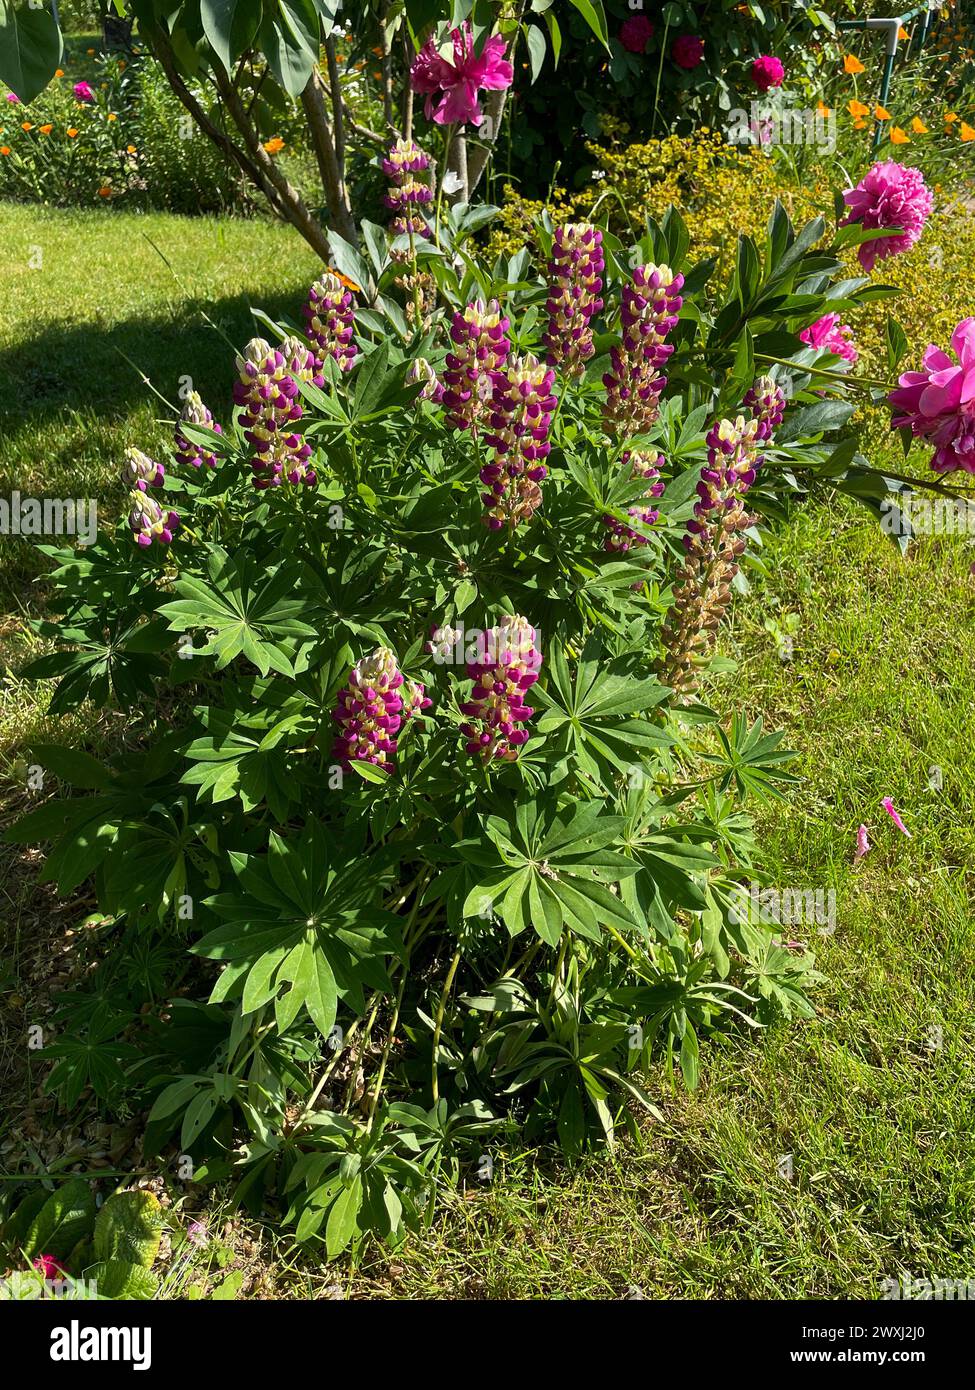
{"x":451,"y":88}
{"x":194,"y":412}
{"x":480,"y":348}
{"x":329,"y":326}
{"x":507,"y":666}
{"x":651,"y":303}
{"x":521,"y":414}
{"x":575,"y":284}
{"x":891,"y":195}
{"x":938,"y":402}
{"x":833,"y":336}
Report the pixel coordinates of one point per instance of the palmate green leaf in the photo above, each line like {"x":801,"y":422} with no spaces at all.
{"x":301,"y":930}
{"x":247,"y":612}
{"x":753,"y":760}
{"x":552,"y":869}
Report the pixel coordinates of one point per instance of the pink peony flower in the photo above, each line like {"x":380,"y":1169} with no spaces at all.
{"x":83,"y":92}
{"x":49,"y":1268}
{"x":891,"y":195}
{"x":938,"y":403}
{"x":635,"y":33}
{"x":687,"y":51}
{"x":767,"y":72}
{"x":832,"y":335}
{"x":451,"y":89}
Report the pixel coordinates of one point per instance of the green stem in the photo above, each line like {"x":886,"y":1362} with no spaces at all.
{"x":438,"y":1022}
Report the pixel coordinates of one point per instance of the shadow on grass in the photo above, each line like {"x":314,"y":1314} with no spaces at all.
{"x":58,"y":371}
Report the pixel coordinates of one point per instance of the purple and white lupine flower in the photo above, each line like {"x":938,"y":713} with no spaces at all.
{"x":433,"y":387}
{"x":267,"y":393}
{"x":521,"y":415}
{"x":407,"y":194}
{"x":651,"y":304}
{"x":507,"y":666}
{"x":194,"y":412}
{"x":575,"y":285}
{"x":329,"y":322}
{"x":643,"y":464}
{"x":370,"y":711}
{"x":140,"y":471}
{"x":149,"y":522}
{"x":479,"y":335}
{"x":765,"y":402}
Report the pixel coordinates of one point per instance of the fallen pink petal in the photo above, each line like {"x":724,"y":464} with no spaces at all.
{"x":888,"y":806}
{"x":863,"y":844}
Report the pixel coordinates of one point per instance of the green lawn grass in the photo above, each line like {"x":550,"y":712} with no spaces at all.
{"x":869,"y":1105}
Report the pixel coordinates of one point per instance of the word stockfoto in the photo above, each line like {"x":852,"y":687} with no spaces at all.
{"x":49,"y":516}
{"x":77,"y":1343}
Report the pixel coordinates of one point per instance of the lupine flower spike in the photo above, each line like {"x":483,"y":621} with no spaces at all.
{"x":268,"y":396}
{"x":507,"y":666}
{"x":575,"y":284}
{"x":329,"y":323}
{"x":643,"y":463}
{"x":521,"y":415}
{"x":370,"y":711}
{"x":139,"y":471}
{"x":713,"y":540}
{"x":407,"y":193}
{"x":194,"y":412}
{"x":479,"y":335}
{"x":151,"y":524}
{"x":651,"y":304}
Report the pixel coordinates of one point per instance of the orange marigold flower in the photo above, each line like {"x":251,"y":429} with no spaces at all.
{"x":902,"y":33}
{"x":966,"y":132}
{"x":45,"y":129}
{"x":859,"y":125}
{"x":857,"y":108}
{"x":881,"y":113}
{"x":104,"y":193}
{"x":130,"y":149}
{"x":4,"y":149}
{"x":59,"y":72}
{"x":852,"y":65}
{"x":898,"y":136}
{"x":71,"y":132}
{"x":949,"y":117}
{"x":918,"y":126}
{"x":274,"y":145}
{"x":27,"y":125}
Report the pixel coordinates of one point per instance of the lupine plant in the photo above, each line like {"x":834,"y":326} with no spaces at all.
{"x":426,"y":831}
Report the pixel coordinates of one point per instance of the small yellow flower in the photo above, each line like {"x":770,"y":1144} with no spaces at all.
{"x":71,"y":132}
{"x":852,"y":65}
{"x":918,"y":126}
{"x":130,"y":149}
{"x":112,"y":116}
{"x":898,"y":136}
{"x":274,"y":145}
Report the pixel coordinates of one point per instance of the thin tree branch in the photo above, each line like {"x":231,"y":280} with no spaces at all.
{"x":338,"y":109}
{"x":336,"y":195}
